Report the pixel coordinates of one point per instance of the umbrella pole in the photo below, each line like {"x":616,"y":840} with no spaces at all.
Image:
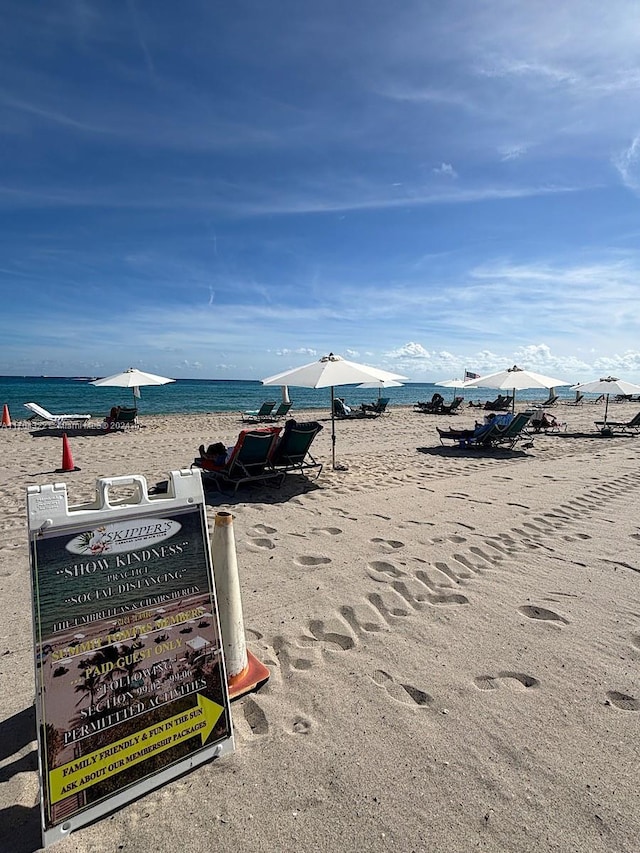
{"x":333,"y":431}
{"x":513,"y":402}
{"x":606,"y":409}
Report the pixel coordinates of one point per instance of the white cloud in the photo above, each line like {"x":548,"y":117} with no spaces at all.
{"x":410,"y":350}
{"x":627,"y":163}
{"x":445,"y":169}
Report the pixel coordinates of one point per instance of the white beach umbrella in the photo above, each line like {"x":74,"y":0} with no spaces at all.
{"x":327,"y":372}
{"x":608,"y":385}
{"x":451,"y":383}
{"x":132,"y":378}
{"x":515,"y":379}
{"x":380,"y":384}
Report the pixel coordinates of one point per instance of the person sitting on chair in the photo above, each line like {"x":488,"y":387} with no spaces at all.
{"x":543,"y":420}
{"x":215,"y":453}
{"x":113,"y":417}
{"x":464,"y":435}
{"x":340,"y":408}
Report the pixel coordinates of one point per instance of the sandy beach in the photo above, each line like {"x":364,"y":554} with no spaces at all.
{"x":453,"y":639}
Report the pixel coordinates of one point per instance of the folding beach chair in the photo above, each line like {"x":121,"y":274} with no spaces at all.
{"x":247,"y":461}
{"x":291,"y":452}
{"x":480,"y":436}
{"x":56,"y":420}
{"x":512,"y":433}
{"x":282,"y":410}
{"x":632,"y":426}
{"x":261,"y":414}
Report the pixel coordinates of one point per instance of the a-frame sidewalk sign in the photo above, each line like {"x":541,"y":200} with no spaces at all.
{"x":131,"y":689}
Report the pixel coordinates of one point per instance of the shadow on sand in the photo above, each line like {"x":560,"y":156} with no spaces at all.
{"x":19,"y":825}
{"x":475,"y":452}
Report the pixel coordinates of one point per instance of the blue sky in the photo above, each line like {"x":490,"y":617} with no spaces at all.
{"x":229,"y":190}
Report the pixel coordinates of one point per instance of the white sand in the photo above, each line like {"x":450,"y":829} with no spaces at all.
{"x":453,"y":639}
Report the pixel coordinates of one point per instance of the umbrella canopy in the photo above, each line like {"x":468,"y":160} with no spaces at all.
{"x":514,"y":379}
{"x":451,"y":383}
{"x":608,"y":385}
{"x":132,"y":378}
{"x":327,"y":372}
{"x":380,"y":384}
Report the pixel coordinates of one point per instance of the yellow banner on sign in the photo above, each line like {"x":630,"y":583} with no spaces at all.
{"x":87,"y":770}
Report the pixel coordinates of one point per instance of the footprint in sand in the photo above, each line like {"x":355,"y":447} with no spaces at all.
{"x":255,"y":716}
{"x":301,"y":726}
{"x":492,"y":682}
{"x":333,"y":639}
{"x":385,"y":568}
{"x":392,"y":544}
{"x":262,"y":544}
{"x":327,"y":531}
{"x":262,"y":530}
{"x":622,"y":701}
{"x":407,"y":694}
{"x":309,"y":561}
{"x":541,"y":613}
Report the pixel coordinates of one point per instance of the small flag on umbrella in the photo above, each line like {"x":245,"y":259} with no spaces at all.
{"x":469,"y":375}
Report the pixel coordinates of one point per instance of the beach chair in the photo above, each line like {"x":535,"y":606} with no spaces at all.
{"x":578,"y":400}
{"x":291,"y":452}
{"x":452,"y":408}
{"x":512,"y":433}
{"x":122,"y":418}
{"x":377,"y":408}
{"x":479,"y":436}
{"x":59,"y":421}
{"x":632,"y":426}
{"x":543,"y":422}
{"x":432,"y":407}
{"x":500,"y":404}
{"x":551,"y":400}
{"x":248,"y":461}
{"x":282,"y":410}
{"x":261,"y":414}
{"x":346,"y":413}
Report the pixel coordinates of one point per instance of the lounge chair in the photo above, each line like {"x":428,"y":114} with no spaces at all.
{"x":432,"y":407}
{"x":377,"y":408}
{"x":248,"y":461}
{"x":282,"y":410}
{"x":500,"y":404}
{"x":480,"y":436}
{"x":261,"y":414}
{"x":291,"y":452}
{"x":512,"y":433}
{"x":503,"y":430}
{"x":542,"y":422}
{"x":578,"y":400}
{"x":344,"y":412}
{"x":632,"y":426}
{"x":452,"y":407}
{"x":56,"y":420}
{"x":551,"y":400}
{"x":121,"y":418}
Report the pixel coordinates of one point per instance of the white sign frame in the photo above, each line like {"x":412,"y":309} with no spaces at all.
{"x":131,"y":545}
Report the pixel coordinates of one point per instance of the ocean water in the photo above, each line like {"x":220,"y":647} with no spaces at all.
{"x":66,"y":395}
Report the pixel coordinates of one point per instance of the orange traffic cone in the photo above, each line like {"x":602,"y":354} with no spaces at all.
{"x":67,"y":458}
{"x":6,"y":419}
{"x":244,"y":671}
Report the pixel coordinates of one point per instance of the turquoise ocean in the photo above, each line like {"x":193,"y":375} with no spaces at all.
{"x":67,"y":395}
